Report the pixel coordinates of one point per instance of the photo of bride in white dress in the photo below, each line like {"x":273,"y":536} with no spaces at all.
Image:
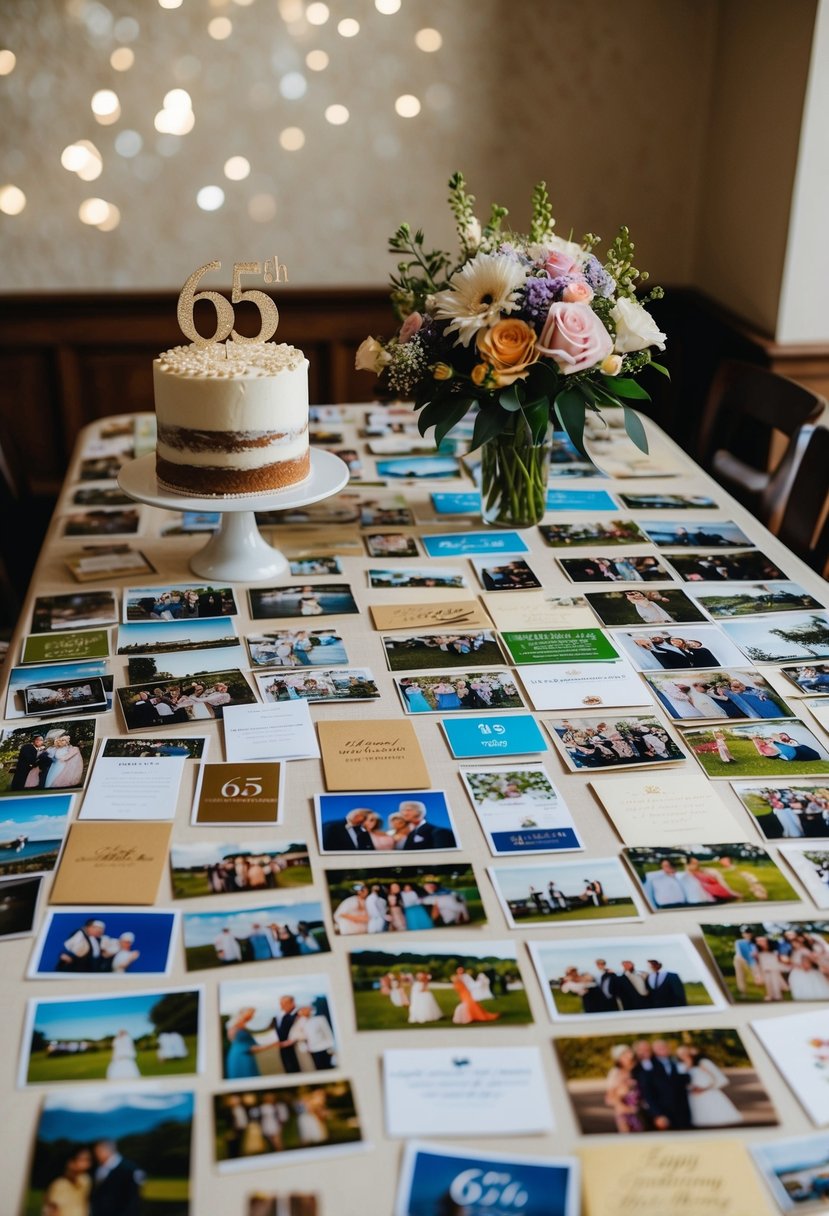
{"x":122,"y":1066}
{"x":709,"y":1105}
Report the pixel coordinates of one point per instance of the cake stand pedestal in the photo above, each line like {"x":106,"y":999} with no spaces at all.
{"x":237,"y":551}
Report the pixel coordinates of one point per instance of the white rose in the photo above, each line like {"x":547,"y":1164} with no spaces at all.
{"x":635,"y":327}
{"x":371,"y":356}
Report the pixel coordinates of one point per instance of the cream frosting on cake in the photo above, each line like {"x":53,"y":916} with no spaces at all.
{"x":232,"y":419}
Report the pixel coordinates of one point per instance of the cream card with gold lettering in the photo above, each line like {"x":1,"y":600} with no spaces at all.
{"x":416,"y":616}
{"x":111,"y":863}
{"x":666,"y":808}
{"x":379,"y":754}
{"x":535,"y":610}
{"x":637,"y":1179}
{"x":283,"y":731}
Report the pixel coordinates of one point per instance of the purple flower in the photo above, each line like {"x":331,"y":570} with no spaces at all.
{"x":602,"y":283}
{"x":539,"y":294}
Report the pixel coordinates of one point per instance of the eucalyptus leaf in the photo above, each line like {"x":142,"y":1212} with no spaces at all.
{"x":537,"y":414}
{"x":570,"y":409}
{"x":489,"y":423}
{"x":624,"y":386}
{"x":451,"y":417}
{"x":659,"y":367}
{"x":635,"y":428}
{"x":510,"y":398}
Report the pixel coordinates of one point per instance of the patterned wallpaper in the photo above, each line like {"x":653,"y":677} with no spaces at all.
{"x":608,"y":102}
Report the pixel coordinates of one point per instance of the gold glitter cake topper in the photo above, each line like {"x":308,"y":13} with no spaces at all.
{"x":274,"y":272}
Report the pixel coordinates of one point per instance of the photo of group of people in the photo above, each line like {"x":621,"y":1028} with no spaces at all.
{"x":812,"y":678}
{"x":297,"y":648}
{"x":390,"y":544}
{"x":274,"y":1028}
{"x":175,"y":701}
{"x":746,"y":565}
{"x":730,"y":692}
{"x":445,"y":650}
{"x":599,"y":977}
{"x":64,"y":696}
{"x":253,"y":935}
{"x":203,"y":868}
{"x":658,"y":606}
{"x":343,"y":684}
{"x":434,"y":694}
{"x":34,"y":759}
{"x":182,"y":603}
{"x":771,"y":961}
{"x":560,"y":892}
{"x":613,"y":742}
{"x":674,"y":877}
{"x":681,"y":648}
{"x":687,"y":1080}
{"x":787,"y":811}
{"x":625,"y":568}
{"x":758,"y":749}
{"x":594,"y":532}
{"x":403,"y":899}
{"x":104,"y":942}
{"x":254,"y":1125}
{"x":377,"y":822}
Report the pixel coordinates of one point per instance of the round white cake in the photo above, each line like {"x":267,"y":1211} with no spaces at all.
{"x":232,"y":418}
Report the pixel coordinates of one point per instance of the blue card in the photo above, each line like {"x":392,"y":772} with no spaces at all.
{"x":512,"y":735}
{"x":498,"y":1184}
{"x":468,"y":503}
{"x":579,"y":500}
{"x":451,"y":545}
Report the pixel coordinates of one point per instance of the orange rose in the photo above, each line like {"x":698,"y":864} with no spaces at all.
{"x":509,"y":348}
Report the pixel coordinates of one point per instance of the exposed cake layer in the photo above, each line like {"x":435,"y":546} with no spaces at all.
{"x":230,"y":449}
{"x":207,"y":481}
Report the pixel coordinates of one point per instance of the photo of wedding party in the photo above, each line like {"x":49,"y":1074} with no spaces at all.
{"x":275,"y":1028}
{"x":565,"y":892}
{"x":142,"y":1036}
{"x":594,"y":532}
{"x":32,"y":831}
{"x":673,"y":876}
{"x":202,"y":868}
{"x":474,"y":690}
{"x":812,"y":678}
{"x":448,"y":649}
{"x":200,"y":697}
{"x":256,"y":1126}
{"x":378,"y":822}
{"x":657,"y":606}
{"x":771,"y":961}
{"x":97,"y":1153}
{"x":317,"y":599}
{"x":451,"y":984}
{"x":103,"y":942}
{"x":623,"y":568}
{"x":253,"y":935}
{"x":610,"y":742}
{"x":187,"y":601}
{"x":297,"y":648}
{"x":601,"y":978}
{"x":403,"y":899}
{"x":38,"y":759}
{"x":666,"y":1081}
{"x":343,"y":684}
{"x":681,"y":648}
{"x":787,"y":811}
{"x":745,"y":565}
{"x":758,"y":749}
{"x":753,"y":599}
{"x":729,"y":692}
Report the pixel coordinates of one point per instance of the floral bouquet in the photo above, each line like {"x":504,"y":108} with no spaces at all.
{"x":521,"y":326}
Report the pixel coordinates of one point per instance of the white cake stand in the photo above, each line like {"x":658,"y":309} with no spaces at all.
{"x":237,"y":551}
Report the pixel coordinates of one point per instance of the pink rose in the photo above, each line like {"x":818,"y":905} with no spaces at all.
{"x":410,"y":327}
{"x":574,"y":338}
{"x":557,"y":264}
{"x":577,"y":292}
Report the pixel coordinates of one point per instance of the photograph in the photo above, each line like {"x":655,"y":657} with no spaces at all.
{"x":185,"y":602}
{"x":745,"y":565}
{"x":260,"y":1127}
{"x":270,"y":1028}
{"x":425,"y":468}
{"x":19,"y":900}
{"x":343,"y":684}
{"x":102,"y":521}
{"x":733,"y":692}
{"x":321,"y":599}
{"x":811,"y":678}
{"x":323,"y":564}
{"x":111,"y":1154}
{"x":678,"y":648}
{"x":252,"y":935}
{"x":668,"y":502}
{"x":103,"y":941}
{"x":112,"y":1037}
{"x":104,"y":495}
{"x":790,"y":811}
{"x":200,"y":697}
{"x":593,"y":532}
{"x":621,"y":568}
{"x":757,"y":749}
{"x":754,"y":599}
{"x":475,"y":690}
{"x":105,"y":467}
{"x":446,"y":579}
{"x":203,"y":868}
{"x":96,"y":562}
{"x":701,"y":534}
{"x":796,"y":1171}
{"x":63,"y":696}
{"x":771,"y":961}
{"x":800,"y":636}
{"x":659,"y":606}
{"x":59,"y":687}
{"x":385,"y":511}
{"x":445,"y":650}
{"x":520,"y":810}
{"x":674,"y":876}
{"x":446,"y":985}
{"x":811,"y":865}
{"x":296,"y":648}
{"x":668,"y":1081}
{"x":402,"y":899}
{"x":565,"y":892}
{"x":79,"y":610}
{"x":156,"y":637}
{"x":192,"y":748}
{"x":36,"y":759}
{"x":514,"y":575}
{"x":382,"y":823}
{"x":613,"y":741}
{"x":390,"y":544}
{"x":601,"y":977}
{"x":31,"y":833}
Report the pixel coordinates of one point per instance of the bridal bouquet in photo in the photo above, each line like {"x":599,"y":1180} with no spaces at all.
{"x":526,"y":328}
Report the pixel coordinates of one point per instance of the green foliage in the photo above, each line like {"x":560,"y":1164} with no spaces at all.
{"x":419,"y":273}
{"x":542,"y":222}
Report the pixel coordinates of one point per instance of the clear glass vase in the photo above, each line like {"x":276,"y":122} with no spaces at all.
{"x":514,"y":473}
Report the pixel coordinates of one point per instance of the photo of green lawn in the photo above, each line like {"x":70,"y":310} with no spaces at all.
{"x":800,"y":945}
{"x":772,"y":748}
{"x":704,"y":875}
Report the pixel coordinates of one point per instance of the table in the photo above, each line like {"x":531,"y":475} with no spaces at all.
{"x":364,"y":1182}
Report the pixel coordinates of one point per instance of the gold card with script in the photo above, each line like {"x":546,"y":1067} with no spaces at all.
{"x":112,"y":863}
{"x":239,"y":793}
{"x":667,"y":808}
{"x":648,"y":1179}
{"x":466,"y":613}
{"x":379,"y":754}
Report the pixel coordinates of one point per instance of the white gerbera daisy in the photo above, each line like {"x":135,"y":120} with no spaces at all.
{"x":478,"y":294}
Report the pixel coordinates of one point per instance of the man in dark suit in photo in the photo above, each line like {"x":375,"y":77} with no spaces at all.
{"x":667,"y":990}
{"x":604,"y":995}
{"x":29,"y":757}
{"x":663,"y":1087}
{"x":347,"y":834}
{"x":116,"y":1186}
{"x":423,"y":835}
{"x":283,"y":1024}
{"x":632,"y":987}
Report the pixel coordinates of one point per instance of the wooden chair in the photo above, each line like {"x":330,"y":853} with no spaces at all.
{"x":804,"y":525}
{"x":746,"y":405}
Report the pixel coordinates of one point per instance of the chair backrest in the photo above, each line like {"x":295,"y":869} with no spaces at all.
{"x":803,"y":526}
